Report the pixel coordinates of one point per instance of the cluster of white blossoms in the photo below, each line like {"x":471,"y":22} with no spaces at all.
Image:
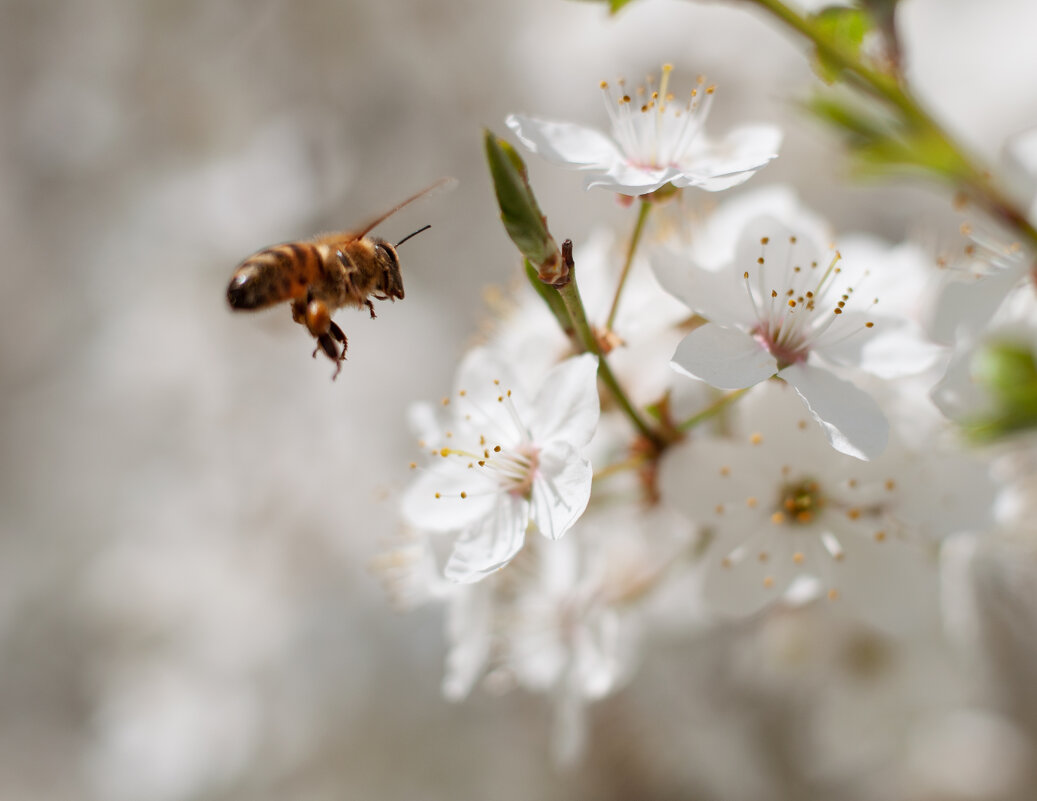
{"x":796,"y":456}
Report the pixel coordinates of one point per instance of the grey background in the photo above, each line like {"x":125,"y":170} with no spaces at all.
{"x":188,"y":505}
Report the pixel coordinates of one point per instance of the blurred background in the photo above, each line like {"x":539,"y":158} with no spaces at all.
{"x":189,"y":505}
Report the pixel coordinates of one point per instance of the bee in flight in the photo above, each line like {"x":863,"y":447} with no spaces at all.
{"x":324,"y":274}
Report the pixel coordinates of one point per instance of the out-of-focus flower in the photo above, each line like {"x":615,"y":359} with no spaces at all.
{"x":993,"y":265}
{"x":656,"y":140}
{"x":977,"y":287}
{"x":785,"y":510}
{"x":781,"y":308}
{"x":565,"y":619}
{"x":504,"y":464}
{"x":577,"y":630}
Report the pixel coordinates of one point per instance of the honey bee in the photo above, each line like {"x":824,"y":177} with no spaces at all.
{"x":324,"y":274}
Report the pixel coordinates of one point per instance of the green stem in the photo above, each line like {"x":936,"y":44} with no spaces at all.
{"x":973,"y":177}
{"x":716,"y":406}
{"x":635,"y":238}
{"x":578,"y":316}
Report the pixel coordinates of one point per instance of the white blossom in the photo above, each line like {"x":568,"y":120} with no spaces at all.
{"x":782,"y":308}
{"x":786,"y":512}
{"x":656,"y":140}
{"x":505,"y":464}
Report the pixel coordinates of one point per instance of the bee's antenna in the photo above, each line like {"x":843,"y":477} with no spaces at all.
{"x":408,"y":236}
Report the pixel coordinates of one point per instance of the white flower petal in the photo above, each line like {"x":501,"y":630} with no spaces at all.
{"x":484,"y":378}
{"x":703,"y":476}
{"x":715,"y":166}
{"x":714,"y":294}
{"x":567,"y":405}
{"x":965,"y":307}
{"x":560,"y":494}
{"x":736,"y":581}
{"x":713,"y":246}
{"x":564,"y":143}
{"x":433,"y":501}
{"x":905,"y":598}
{"x":948,"y":495}
{"x":490,"y":543}
{"x":891,"y":348}
{"x":957,"y":395}
{"x":851,"y":419}
{"x":785,"y":247}
{"x":727,"y":358}
{"x":630,"y":180}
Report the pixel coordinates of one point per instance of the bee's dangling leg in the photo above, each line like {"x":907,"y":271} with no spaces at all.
{"x":327,"y":344}
{"x":318,"y":321}
{"x":370,"y":306}
{"x":339,"y":335}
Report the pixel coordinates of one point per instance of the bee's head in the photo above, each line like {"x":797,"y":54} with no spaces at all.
{"x":390,"y":282}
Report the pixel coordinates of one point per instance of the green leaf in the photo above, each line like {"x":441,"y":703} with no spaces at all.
{"x":1008,"y":373}
{"x":861,"y":126}
{"x":844,"y":28}
{"x":519,"y":211}
{"x":881,"y":144}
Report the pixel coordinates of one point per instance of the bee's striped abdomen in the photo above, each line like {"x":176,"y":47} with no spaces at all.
{"x":276,"y":274}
